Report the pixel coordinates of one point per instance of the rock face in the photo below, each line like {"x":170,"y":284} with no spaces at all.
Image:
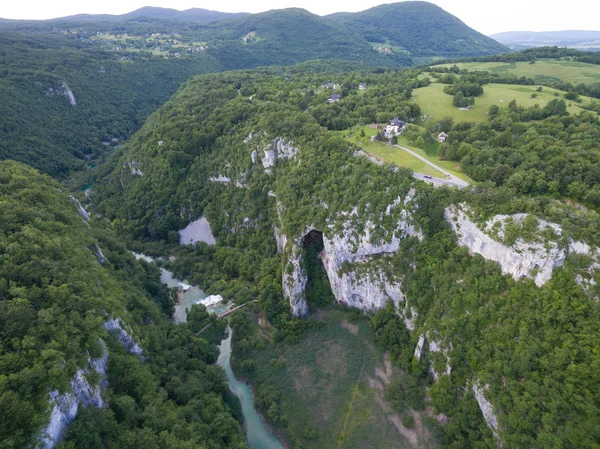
{"x":80,"y":208}
{"x":294,"y":281}
{"x":197,"y":231}
{"x":346,"y":258}
{"x":278,"y":148}
{"x":100,"y":255}
{"x":487,"y":410}
{"x":523,"y":259}
{"x":65,"y":406}
{"x":63,"y":89}
{"x":114,"y":326}
{"x":134,"y":168}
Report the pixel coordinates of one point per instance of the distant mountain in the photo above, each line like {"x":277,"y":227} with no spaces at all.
{"x":581,"y":40}
{"x":195,"y":15}
{"x":421,"y":28}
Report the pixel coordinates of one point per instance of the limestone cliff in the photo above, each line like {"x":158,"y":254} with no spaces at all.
{"x":535,"y":259}
{"x":347,"y":257}
{"x":66,"y":405}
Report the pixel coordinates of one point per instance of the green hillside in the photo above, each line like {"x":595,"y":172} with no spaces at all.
{"x":121,"y":68}
{"x":420,"y":28}
{"x":56,"y":293}
{"x":503,"y":329}
{"x":40,"y":126}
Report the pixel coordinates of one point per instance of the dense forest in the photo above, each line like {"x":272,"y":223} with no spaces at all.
{"x":43,"y":126}
{"x":511,"y":335}
{"x":60,"y":280}
{"x":483,"y":351}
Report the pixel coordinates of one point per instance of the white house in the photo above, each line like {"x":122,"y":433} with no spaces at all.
{"x":395,"y":127}
{"x":362,"y":86}
{"x":442,"y":137}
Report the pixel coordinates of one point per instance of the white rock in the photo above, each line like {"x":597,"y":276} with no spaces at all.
{"x":133,"y":167}
{"x":486,"y":409}
{"x":65,"y":406}
{"x":294,"y":281}
{"x":100,"y":255}
{"x":220,"y":178}
{"x":419,"y":347}
{"x":126,"y":340}
{"x":523,"y":259}
{"x":80,"y":208}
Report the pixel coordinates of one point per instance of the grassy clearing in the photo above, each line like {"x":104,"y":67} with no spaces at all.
{"x":332,"y":382}
{"x":401,"y":158}
{"x":436,"y":104}
{"x":388,"y":153}
{"x":543,"y":71}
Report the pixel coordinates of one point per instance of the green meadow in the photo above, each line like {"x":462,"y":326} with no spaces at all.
{"x":436,"y":104}
{"x":332,"y":386}
{"x":542,"y":71}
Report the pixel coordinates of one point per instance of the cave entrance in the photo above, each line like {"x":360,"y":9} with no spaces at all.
{"x":318,"y":291}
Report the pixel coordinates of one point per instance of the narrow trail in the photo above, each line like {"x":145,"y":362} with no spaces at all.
{"x":342,"y":434}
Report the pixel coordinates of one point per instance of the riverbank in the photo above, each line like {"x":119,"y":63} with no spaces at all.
{"x":257,"y":433}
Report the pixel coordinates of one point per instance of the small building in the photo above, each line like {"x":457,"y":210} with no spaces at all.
{"x":330,"y":86}
{"x":442,"y":137}
{"x":333,"y":98}
{"x":362,"y":86}
{"x":395,"y":127}
{"x":374,"y":126}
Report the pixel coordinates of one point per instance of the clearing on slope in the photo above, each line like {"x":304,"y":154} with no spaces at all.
{"x":436,"y":104}
{"x":544,"y":70}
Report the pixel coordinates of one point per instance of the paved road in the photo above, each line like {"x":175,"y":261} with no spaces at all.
{"x":438,"y":182}
{"x":451,"y":179}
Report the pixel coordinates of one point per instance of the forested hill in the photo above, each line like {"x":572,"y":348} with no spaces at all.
{"x":83,"y":322}
{"x":420,"y":28}
{"x":257,"y":153}
{"x":66,"y":101}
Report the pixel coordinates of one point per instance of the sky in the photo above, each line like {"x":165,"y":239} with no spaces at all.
{"x":485,"y":16}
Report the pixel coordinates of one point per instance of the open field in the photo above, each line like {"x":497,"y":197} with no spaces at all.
{"x":401,"y":158}
{"x":436,"y":104}
{"x":332,"y":382}
{"x":543,"y":70}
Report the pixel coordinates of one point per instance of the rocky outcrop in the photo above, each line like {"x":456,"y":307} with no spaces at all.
{"x":100,"y":255}
{"x":294,"y":281}
{"x":220,"y":179}
{"x":419,"y":347}
{"x":65,"y":91}
{"x":346,"y":258}
{"x":278,"y":148}
{"x":66,"y":405}
{"x":133,"y":167}
{"x":116,"y":329}
{"x":487,"y":409}
{"x":535,"y":260}
{"x":80,"y":208}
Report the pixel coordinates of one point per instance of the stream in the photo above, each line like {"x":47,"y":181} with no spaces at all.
{"x":257,"y":434}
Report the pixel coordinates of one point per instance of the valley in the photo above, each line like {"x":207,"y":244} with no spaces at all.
{"x":284,"y":230}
